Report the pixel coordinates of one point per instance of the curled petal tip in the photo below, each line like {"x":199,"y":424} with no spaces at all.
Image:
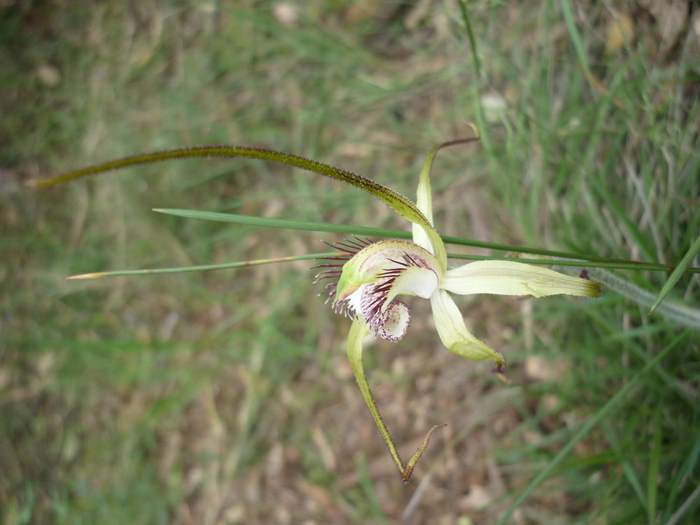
{"x":39,"y":184}
{"x":595,"y":289}
{"x":500,"y":368}
{"x":500,"y":371}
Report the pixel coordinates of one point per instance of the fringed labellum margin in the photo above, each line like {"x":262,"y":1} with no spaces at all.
{"x":367,"y":284}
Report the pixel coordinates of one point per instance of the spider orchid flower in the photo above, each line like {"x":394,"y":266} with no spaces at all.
{"x":366,"y":288}
{"x":367,"y":281}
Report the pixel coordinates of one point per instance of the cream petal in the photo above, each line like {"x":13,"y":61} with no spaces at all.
{"x":414,"y":280}
{"x":514,"y":278}
{"x":454,"y":334}
{"x":355,"y":299}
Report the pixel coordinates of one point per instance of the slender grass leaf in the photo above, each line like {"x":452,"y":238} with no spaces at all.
{"x":685,"y":473}
{"x":200,"y":268}
{"x":306,"y":257}
{"x":627,"y":469}
{"x":577,"y":42}
{"x":586,"y":428}
{"x":653,"y":471}
{"x":678,"y":313}
{"x":677,"y":273}
{"x":476,"y":62}
{"x":575,"y":36}
{"x":398,"y":234}
{"x":470,"y":35}
{"x":687,"y":506}
{"x":616,"y":207}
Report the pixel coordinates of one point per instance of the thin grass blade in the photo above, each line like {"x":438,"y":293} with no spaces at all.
{"x":586,"y":428}
{"x":199,"y":268}
{"x":475,"y":87}
{"x":687,"y":506}
{"x":684,"y":474}
{"x":678,"y":313}
{"x":653,"y":471}
{"x":369,"y":231}
{"x":568,"y":12}
{"x":677,"y":273}
{"x":470,"y":35}
{"x":315,"y":256}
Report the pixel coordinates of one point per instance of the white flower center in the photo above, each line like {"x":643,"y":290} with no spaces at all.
{"x":394,"y":322}
{"x":383,"y":270}
{"x":388,"y":320}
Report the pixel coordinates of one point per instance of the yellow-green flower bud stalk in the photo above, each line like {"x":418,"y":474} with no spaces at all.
{"x":367,"y":280}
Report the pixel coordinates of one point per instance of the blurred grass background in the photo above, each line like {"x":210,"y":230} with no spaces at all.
{"x":225,"y":397}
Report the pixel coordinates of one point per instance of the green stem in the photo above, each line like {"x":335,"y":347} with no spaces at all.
{"x":368,"y":231}
{"x":677,"y":273}
{"x":475,"y":85}
{"x":316,"y":256}
{"x":201,"y":267}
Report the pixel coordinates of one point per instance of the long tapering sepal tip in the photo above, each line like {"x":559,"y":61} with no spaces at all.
{"x":594,"y":289}
{"x":85,"y":276}
{"x":408,"y":469}
{"x":33,"y":184}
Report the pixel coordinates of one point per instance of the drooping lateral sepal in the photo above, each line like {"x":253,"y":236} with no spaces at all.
{"x":454,"y":334}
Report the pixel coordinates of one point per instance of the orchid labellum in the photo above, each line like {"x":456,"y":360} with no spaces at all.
{"x":369,"y":280}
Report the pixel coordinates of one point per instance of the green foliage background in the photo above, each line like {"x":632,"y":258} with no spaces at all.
{"x":225,"y":397}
